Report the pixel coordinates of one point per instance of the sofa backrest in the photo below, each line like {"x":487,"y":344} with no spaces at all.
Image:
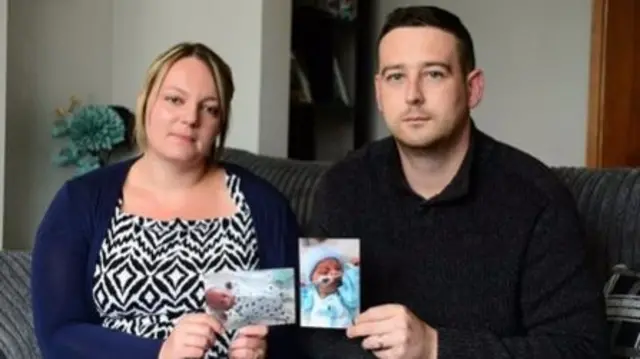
{"x":608,"y":201}
{"x":297,"y":180}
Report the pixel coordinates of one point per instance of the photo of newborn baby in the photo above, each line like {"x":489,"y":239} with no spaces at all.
{"x":220,"y":300}
{"x":238,"y":299}
{"x":330,"y":282}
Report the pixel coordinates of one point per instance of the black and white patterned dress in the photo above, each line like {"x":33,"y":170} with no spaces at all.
{"x":149,"y":271}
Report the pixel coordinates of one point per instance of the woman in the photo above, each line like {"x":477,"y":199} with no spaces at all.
{"x":119,"y":254}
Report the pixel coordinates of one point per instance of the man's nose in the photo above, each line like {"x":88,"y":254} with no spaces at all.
{"x":414,"y":95}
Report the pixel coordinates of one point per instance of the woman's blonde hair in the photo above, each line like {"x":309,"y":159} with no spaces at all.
{"x":222,"y":77}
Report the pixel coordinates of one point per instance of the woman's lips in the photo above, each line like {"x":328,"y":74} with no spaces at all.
{"x":185,"y":138}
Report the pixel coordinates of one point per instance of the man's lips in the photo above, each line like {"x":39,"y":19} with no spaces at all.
{"x":415,"y":119}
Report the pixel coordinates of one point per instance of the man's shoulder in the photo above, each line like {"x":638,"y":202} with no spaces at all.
{"x":525,"y":172}
{"x":361,"y":165}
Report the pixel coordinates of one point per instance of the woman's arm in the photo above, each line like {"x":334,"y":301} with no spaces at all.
{"x":66,"y":323}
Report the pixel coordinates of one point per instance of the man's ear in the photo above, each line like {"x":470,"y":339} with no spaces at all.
{"x":475,"y":87}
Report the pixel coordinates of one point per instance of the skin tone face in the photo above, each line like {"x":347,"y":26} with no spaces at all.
{"x":327,"y":267}
{"x":220,"y":299}
{"x":421,"y":89}
{"x":183,"y":120}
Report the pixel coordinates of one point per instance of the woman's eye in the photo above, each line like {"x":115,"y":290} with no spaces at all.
{"x":174,"y":100}
{"x":213,"y":111}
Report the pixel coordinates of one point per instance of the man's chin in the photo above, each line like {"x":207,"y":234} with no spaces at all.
{"x":418,"y":143}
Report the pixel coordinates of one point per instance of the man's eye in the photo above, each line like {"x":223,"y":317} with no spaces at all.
{"x":394,"y":77}
{"x":435,"y":74}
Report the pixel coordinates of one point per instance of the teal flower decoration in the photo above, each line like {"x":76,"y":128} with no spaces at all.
{"x":87,"y":163}
{"x":95,"y":128}
{"x":67,"y":156}
{"x":93,"y":132}
{"x":60,"y":128}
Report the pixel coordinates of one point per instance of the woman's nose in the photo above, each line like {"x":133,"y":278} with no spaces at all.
{"x":190,"y":117}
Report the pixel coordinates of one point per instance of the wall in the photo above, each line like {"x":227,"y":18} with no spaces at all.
{"x":99,"y":51}
{"x":3,"y":97}
{"x":55,"y":49}
{"x":536,"y":59}
{"x":273,"y":113}
{"x":252,"y":37}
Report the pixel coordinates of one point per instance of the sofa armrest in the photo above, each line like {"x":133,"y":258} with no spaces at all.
{"x":17,"y":340}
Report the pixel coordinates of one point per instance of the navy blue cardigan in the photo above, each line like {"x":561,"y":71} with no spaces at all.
{"x":66,"y":249}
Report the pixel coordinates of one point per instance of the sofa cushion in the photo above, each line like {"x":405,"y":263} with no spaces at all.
{"x":16,"y":328}
{"x":296,"y":180}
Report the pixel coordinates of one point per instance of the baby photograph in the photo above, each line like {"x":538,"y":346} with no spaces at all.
{"x":329,"y":282}
{"x":241,"y":298}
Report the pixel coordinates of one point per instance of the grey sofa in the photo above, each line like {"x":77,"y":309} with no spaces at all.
{"x":609,"y":202}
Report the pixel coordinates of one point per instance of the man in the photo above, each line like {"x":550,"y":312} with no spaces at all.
{"x":470,"y":247}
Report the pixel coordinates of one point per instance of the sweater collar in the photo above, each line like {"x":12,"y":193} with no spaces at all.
{"x":459,"y":186}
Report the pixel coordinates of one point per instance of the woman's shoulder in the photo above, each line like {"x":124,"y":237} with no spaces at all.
{"x":109,"y":178}
{"x":85,"y":201}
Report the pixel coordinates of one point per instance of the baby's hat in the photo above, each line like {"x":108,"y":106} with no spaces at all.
{"x":315,"y":255}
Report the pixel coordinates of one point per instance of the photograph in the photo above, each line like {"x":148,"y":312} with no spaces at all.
{"x":257,"y":297}
{"x":329,"y":282}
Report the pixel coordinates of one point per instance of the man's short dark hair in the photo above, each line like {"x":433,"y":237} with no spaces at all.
{"x":416,"y":16}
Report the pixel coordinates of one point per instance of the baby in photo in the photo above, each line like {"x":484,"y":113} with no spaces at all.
{"x":330,"y":288}
{"x":242,"y":298}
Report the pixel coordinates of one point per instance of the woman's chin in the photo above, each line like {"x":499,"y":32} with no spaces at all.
{"x":183,"y":157}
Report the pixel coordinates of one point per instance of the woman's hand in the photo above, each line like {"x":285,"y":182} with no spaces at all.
{"x":250,"y":343}
{"x":192,"y":336}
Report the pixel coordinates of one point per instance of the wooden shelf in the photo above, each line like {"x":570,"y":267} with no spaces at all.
{"x":332,"y":68}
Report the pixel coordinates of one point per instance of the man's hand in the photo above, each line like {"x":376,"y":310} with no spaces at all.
{"x":250,"y":343}
{"x":393,"y":332}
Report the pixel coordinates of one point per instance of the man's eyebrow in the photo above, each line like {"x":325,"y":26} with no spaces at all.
{"x":388,"y":68}
{"x":444,"y":65}
{"x":398,"y":67}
